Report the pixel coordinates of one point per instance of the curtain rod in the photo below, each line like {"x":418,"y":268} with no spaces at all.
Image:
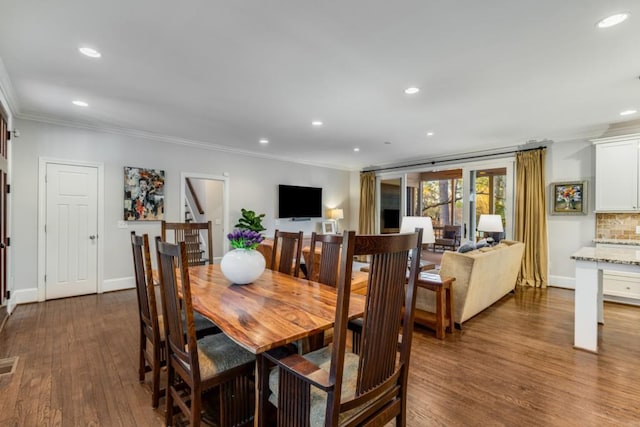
{"x":435,"y":162}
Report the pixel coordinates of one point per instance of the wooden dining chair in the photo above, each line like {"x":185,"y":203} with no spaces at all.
{"x":197,"y":365}
{"x":152,"y":334}
{"x":287,"y":252}
{"x":153,"y":358}
{"x":192,"y":234}
{"x":350,"y":389}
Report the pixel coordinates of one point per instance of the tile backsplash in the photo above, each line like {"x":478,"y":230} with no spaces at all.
{"x":620,"y":226}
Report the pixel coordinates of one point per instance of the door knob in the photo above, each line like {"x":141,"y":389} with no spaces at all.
{"x":2,"y":245}
{"x":92,"y":237}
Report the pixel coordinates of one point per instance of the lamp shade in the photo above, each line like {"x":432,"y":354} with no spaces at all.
{"x":336,"y":213}
{"x":490,"y":224}
{"x":410,"y":223}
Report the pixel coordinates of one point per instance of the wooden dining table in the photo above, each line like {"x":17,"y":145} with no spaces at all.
{"x":274,"y":310}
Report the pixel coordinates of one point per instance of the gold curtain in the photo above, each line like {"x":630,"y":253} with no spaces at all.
{"x":367,"y":218}
{"x":531,"y":219}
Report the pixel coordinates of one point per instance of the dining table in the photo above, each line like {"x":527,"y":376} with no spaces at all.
{"x":275,"y":310}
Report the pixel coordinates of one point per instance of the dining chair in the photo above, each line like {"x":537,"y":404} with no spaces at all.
{"x":350,"y":389}
{"x":197,"y":365}
{"x":451,"y":235}
{"x":152,"y":333}
{"x":192,"y":233}
{"x":150,"y":359}
{"x":287,"y":252}
{"x":324,"y":267}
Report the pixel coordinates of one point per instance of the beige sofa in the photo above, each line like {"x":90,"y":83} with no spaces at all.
{"x":483,"y":276}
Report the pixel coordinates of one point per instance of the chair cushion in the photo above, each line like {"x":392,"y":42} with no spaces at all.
{"x":201,"y":322}
{"x":322,"y":359}
{"x":217,"y":353}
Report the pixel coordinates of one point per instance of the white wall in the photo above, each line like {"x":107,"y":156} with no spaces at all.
{"x":569,"y":161}
{"x":253,"y":185}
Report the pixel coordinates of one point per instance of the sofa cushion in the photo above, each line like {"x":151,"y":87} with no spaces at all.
{"x":466,"y":246}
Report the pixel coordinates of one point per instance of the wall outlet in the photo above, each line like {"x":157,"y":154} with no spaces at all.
{"x":637,"y":229}
{"x":123,"y":224}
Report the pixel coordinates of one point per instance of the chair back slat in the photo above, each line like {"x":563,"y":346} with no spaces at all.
{"x":329,"y":265}
{"x":191,"y":233}
{"x":287,"y":252}
{"x":385,"y":299}
{"x":171,"y":259}
{"x":137,"y":244}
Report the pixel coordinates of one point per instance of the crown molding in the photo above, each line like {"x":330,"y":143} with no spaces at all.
{"x":6,"y":89}
{"x":170,"y":140}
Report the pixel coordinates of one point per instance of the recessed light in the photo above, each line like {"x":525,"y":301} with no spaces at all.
{"x":430,"y":133}
{"x":90,"y":52}
{"x":412,"y":90}
{"x":356,"y":149}
{"x":264,"y":141}
{"x":628,"y":112}
{"x":317,"y":123}
{"x":79,"y":103}
{"x":612,"y":20}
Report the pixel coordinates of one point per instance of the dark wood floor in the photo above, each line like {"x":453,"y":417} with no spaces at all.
{"x":512,"y":365}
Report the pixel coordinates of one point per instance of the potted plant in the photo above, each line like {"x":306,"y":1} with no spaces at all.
{"x":250,"y":221}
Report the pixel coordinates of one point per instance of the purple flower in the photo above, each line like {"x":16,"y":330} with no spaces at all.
{"x":245,"y":239}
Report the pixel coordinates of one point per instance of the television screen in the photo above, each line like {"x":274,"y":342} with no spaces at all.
{"x":299,"y":202}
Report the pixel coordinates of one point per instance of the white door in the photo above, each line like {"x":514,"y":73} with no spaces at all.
{"x":71,"y":230}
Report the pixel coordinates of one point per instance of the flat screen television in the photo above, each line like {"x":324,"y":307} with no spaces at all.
{"x":299,"y":202}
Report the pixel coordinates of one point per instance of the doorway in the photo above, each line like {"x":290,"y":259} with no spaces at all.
{"x":70,"y":229}
{"x":206,"y":198}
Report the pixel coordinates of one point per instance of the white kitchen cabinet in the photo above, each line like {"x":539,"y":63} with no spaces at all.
{"x":617,"y":164}
{"x":622,"y":287}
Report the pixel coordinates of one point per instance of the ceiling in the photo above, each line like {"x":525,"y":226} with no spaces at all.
{"x":492,"y":73}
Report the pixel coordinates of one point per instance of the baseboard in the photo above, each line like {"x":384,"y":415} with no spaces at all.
{"x":23,"y":296}
{"x":118,"y":284}
{"x":562,"y":282}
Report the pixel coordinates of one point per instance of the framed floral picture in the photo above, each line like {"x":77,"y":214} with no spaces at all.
{"x":569,"y":198}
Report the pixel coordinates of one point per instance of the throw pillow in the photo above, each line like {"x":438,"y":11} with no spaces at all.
{"x":482,"y":244}
{"x":466,"y":246}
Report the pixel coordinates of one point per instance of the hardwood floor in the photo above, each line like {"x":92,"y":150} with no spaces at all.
{"x":511,"y":365}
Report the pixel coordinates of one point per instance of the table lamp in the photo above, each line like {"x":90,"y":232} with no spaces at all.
{"x":410,"y":223}
{"x":491,"y":224}
{"x":336,"y":215}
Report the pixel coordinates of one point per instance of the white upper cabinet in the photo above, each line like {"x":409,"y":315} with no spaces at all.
{"x":617,"y":175}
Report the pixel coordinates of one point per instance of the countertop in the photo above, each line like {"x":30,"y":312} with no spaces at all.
{"x":628,"y":256}
{"x":618,"y":242}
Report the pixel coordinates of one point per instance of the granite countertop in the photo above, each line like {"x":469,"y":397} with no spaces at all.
{"x":628,"y":256}
{"x":618,"y":242}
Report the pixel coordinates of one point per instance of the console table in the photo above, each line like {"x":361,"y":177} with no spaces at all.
{"x":590,"y":262}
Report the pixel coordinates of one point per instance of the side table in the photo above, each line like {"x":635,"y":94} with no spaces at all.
{"x":442,"y":286}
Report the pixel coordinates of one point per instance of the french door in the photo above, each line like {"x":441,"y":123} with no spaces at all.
{"x":458,"y":195}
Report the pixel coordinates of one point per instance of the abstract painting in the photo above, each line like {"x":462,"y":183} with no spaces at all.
{"x":143,"y":194}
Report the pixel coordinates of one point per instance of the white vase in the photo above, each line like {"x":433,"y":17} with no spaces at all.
{"x":242,"y":266}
